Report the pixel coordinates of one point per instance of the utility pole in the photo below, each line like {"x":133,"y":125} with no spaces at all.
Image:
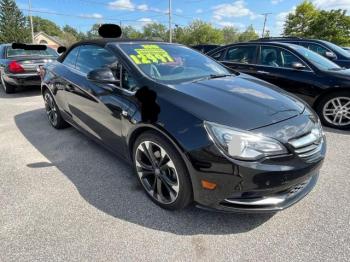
{"x":170,"y":29}
{"x":266,"y":15}
{"x":31,"y":19}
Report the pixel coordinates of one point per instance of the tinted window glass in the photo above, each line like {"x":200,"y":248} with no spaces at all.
{"x":277,"y":57}
{"x":317,"y":48}
{"x":21,"y":52}
{"x":338,"y":49}
{"x":218,"y":55}
{"x":316,"y":59}
{"x":71,"y":58}
{"x":171,"y":63}
{"x":92,"y":57}
{"x":241,"y":54}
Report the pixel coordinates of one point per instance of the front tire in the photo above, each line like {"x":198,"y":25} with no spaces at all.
{"x":334,"y":110}
{"x":53,"y":112}
{"x":161,"y":171}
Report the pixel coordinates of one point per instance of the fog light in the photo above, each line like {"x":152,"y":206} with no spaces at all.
{"x":208,"y":185}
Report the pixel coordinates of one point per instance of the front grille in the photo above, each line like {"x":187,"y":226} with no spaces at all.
{"x":307,"y":147}
{"x":296,"y":189}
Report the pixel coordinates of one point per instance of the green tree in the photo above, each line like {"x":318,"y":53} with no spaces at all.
{"x":310,"y":22}
{"x":199,"y":32}
{"x":155,"y":31}
{"x":93,"y":32}
{"x":333,"y":25}
{"x":45,"y":25}
{"x":230,"y":34}
{"x":298,"y":22}
{"x":248,"y":34}
{"x":13,"y":25}
{"x":72,"y":31}
{"x":130,"y":32}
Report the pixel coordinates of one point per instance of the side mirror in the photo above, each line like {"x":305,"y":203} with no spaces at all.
{"x":330,"y":55}
{"x":102,"y":75}
{"x":298,"y":66}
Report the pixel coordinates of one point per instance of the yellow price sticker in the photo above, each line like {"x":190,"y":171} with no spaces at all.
{"x":151,"y":54}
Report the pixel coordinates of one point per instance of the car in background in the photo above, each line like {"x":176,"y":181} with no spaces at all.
{"x":327,"y":49}
{"x":347,"y":48}
{"x":205,"y":48}
{"x":193,"y":131}
{"x":321,"y":83}
{"x":19,"y":64}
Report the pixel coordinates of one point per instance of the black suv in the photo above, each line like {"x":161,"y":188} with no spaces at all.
{"x":317,"y":80}
{"x":327,"y":49}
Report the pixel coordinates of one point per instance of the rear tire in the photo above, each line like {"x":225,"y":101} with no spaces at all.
{"x":8,"y":88}
{"x":53,"y":113}
{"x":161,"y":171}
{"x":334,"y":110}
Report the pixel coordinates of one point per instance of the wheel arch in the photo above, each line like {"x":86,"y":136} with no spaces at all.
{"x":141,"y":128}
{"x":329,"y":92}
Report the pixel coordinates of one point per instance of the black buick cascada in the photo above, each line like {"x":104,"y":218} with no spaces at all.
{"x":194,"y":132}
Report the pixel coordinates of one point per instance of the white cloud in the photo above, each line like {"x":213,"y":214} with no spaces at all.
{"x":142,"y":7}
{"x":94,"y":15}
{"x":179,"y":11}
{"x":275,"y":2}
{"x":236,"y":9}
{"x":199,"y":11}
{"x":333,"y":4}
{"x":121,"y":5}
{"x":145,"y":21}
{"x":127,"y":5}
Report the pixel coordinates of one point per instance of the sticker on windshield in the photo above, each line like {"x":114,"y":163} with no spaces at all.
{"x":150,"y":54}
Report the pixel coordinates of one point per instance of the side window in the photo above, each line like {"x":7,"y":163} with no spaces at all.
{"x":317,"y":48}
{"x":92,"y":57}
{"x":71,"y":58}
{"x":241,"y":54}
{"x":277,"y":57}
{"x":127,"y":81}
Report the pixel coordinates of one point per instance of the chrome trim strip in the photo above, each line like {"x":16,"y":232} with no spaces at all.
{"x":304,"y":141}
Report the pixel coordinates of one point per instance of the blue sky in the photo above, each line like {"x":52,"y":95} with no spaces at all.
{"x":81,"y":14}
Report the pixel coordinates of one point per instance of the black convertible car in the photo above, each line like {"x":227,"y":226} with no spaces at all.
{"x":193,"y":131}
{"x":19,"y":63}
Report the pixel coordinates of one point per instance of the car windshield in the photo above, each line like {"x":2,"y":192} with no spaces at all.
{"x":317,"y":60}
{"x":338,"y":49}
{"x":171,"y":64}
{"x":21,"y":52}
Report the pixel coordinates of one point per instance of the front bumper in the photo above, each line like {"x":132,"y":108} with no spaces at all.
{"x":27,"y":79}
{"x":268,"y":186}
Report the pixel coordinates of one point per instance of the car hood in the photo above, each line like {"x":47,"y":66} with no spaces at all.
{"x":240,"y":101}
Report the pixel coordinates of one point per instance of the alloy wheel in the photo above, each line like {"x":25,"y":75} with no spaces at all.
{"x":337,"y":111}
{"x":51,"y":109}
{"x":157,"y":172}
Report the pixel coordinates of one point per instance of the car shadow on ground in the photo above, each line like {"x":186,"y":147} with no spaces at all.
{"x":108,"y":183}
{"x":21,"y":92}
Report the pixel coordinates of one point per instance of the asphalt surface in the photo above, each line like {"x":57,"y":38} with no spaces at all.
{"x":65,"y":198}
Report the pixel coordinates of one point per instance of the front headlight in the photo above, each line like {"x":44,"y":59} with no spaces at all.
{"x":243,"y":145}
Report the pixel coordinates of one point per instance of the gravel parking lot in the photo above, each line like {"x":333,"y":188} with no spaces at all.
{"x":63,"y":197}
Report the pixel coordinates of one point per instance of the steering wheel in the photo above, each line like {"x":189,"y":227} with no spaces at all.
{"x":154,"y":72}
{"x":176,"y":70}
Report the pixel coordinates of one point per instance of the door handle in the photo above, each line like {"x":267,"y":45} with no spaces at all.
{"x":263,"y":72}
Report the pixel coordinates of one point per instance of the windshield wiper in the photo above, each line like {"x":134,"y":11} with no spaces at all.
{"x":219,"y":76}
{"x":212,"y":76}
